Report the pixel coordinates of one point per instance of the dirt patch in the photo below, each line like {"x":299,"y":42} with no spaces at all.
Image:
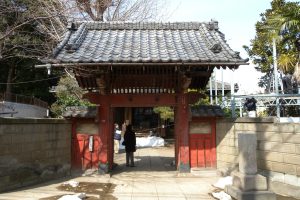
{"x":89,"y":188}
{"x":59,"y":196}
{"x":100,"y":190}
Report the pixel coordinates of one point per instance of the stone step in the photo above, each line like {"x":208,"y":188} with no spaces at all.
{"x":249,"y":195}
{"x":247,"y":182}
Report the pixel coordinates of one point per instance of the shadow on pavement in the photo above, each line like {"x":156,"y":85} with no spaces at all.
{"x":93,"y":190}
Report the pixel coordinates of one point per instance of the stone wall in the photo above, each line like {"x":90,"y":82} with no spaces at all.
{"x":33,"y":150}
{"x":278,"y":147}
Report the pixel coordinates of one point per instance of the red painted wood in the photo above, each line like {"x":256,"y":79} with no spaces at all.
{"x":142,"y":100}
{"x":207,"y":152}
{"x":182,"y":130}
{"x":82,"y":157}
{"x":93,"y":97}
{"x":213,"y":143}
{"x":200,"y":153}
{"x":203,"y":148}
{"x":105,"y":128}
{"x":194,"y":152}
{"x":110,"y":139}
{"x":176,"y":137}
{"x":200,"y":150}
{"x":134,"y":100}
{"x":75,"y":148}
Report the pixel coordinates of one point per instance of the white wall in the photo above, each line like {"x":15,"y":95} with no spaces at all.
{"x":23,"y":110}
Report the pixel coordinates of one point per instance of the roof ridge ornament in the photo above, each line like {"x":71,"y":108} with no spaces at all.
{"x":216,"y":47}
{"x":71,"y":26}
{"x":77,"y":40}
{"x":236,"y":54}
{"x":213,"y":25}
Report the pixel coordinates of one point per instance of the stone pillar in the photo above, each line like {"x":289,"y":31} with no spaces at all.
{"x":247,"y":153}
{"x":247,"y":184}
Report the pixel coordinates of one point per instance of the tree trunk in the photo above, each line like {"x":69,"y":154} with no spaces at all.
{"x":8,"y":92}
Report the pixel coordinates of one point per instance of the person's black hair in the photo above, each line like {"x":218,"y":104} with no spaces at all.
{"x":129,"y":127}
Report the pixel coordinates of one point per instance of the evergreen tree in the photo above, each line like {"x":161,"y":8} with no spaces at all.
{"x":68,"y":93}
{"x":274,"y":23}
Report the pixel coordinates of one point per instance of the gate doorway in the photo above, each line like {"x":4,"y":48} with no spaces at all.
{"x":155,"y":141}
{"x":148,"y":159}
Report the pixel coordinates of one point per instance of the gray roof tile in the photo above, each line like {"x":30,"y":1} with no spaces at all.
{"x":145,"y":42}
{"x":80,"y":112}
{"x":207,"y":111}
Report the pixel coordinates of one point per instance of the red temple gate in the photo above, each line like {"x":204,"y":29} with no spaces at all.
{"x":126,"y":64}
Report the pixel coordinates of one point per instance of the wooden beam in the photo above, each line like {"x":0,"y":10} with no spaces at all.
{"x":142,"y":100}
{"x":202,"y":74}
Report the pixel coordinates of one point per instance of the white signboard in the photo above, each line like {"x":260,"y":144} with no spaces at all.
{"x":200,"y":128}
{"x":91,"y":141}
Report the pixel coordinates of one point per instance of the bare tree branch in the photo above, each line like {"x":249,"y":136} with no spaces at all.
{"x":119,"y":10}
{"x":14,"y":28}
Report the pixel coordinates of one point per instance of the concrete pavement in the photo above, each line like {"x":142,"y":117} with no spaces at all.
{"x":154,"y":177}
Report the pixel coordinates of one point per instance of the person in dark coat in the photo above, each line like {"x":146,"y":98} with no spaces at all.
{"x":130,"y":145}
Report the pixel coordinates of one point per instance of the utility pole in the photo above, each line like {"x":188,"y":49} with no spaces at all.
{"x":223,"y":94}
{"x":210,"y":91}
{"x":216,"y":88}
{"x":232,"y":99}
{"x":276,"y":77}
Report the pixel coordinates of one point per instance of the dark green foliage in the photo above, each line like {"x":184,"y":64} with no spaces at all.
{"x":68,"y":93}
{"x":203,"y":101}
{"x":228,"y":112}
{"x":165,"y":113}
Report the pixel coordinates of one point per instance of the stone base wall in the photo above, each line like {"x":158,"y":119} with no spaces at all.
{"x":33,"y":150}
{"x":278,"y":147}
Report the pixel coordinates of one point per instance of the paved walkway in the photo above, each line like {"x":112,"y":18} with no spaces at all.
{"x":154,"y":177}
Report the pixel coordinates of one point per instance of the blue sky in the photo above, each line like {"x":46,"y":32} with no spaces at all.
{"x":236,"y":19}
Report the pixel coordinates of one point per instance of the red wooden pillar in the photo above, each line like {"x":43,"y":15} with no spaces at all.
{"x":104,"y":127}
{"x":213,"y":140}
{"x":105,"y":117}
{"x":182,"y":131}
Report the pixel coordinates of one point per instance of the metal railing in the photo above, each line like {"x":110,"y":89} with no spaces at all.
{"x":17,"y":98}
{"x":263,"y":101}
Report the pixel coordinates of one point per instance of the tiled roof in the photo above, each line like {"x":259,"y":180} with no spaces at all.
{"x":207,"y":111}
{"x":144,"y":42}
{"x":227,"y":86}
{"x":80,"y":112}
